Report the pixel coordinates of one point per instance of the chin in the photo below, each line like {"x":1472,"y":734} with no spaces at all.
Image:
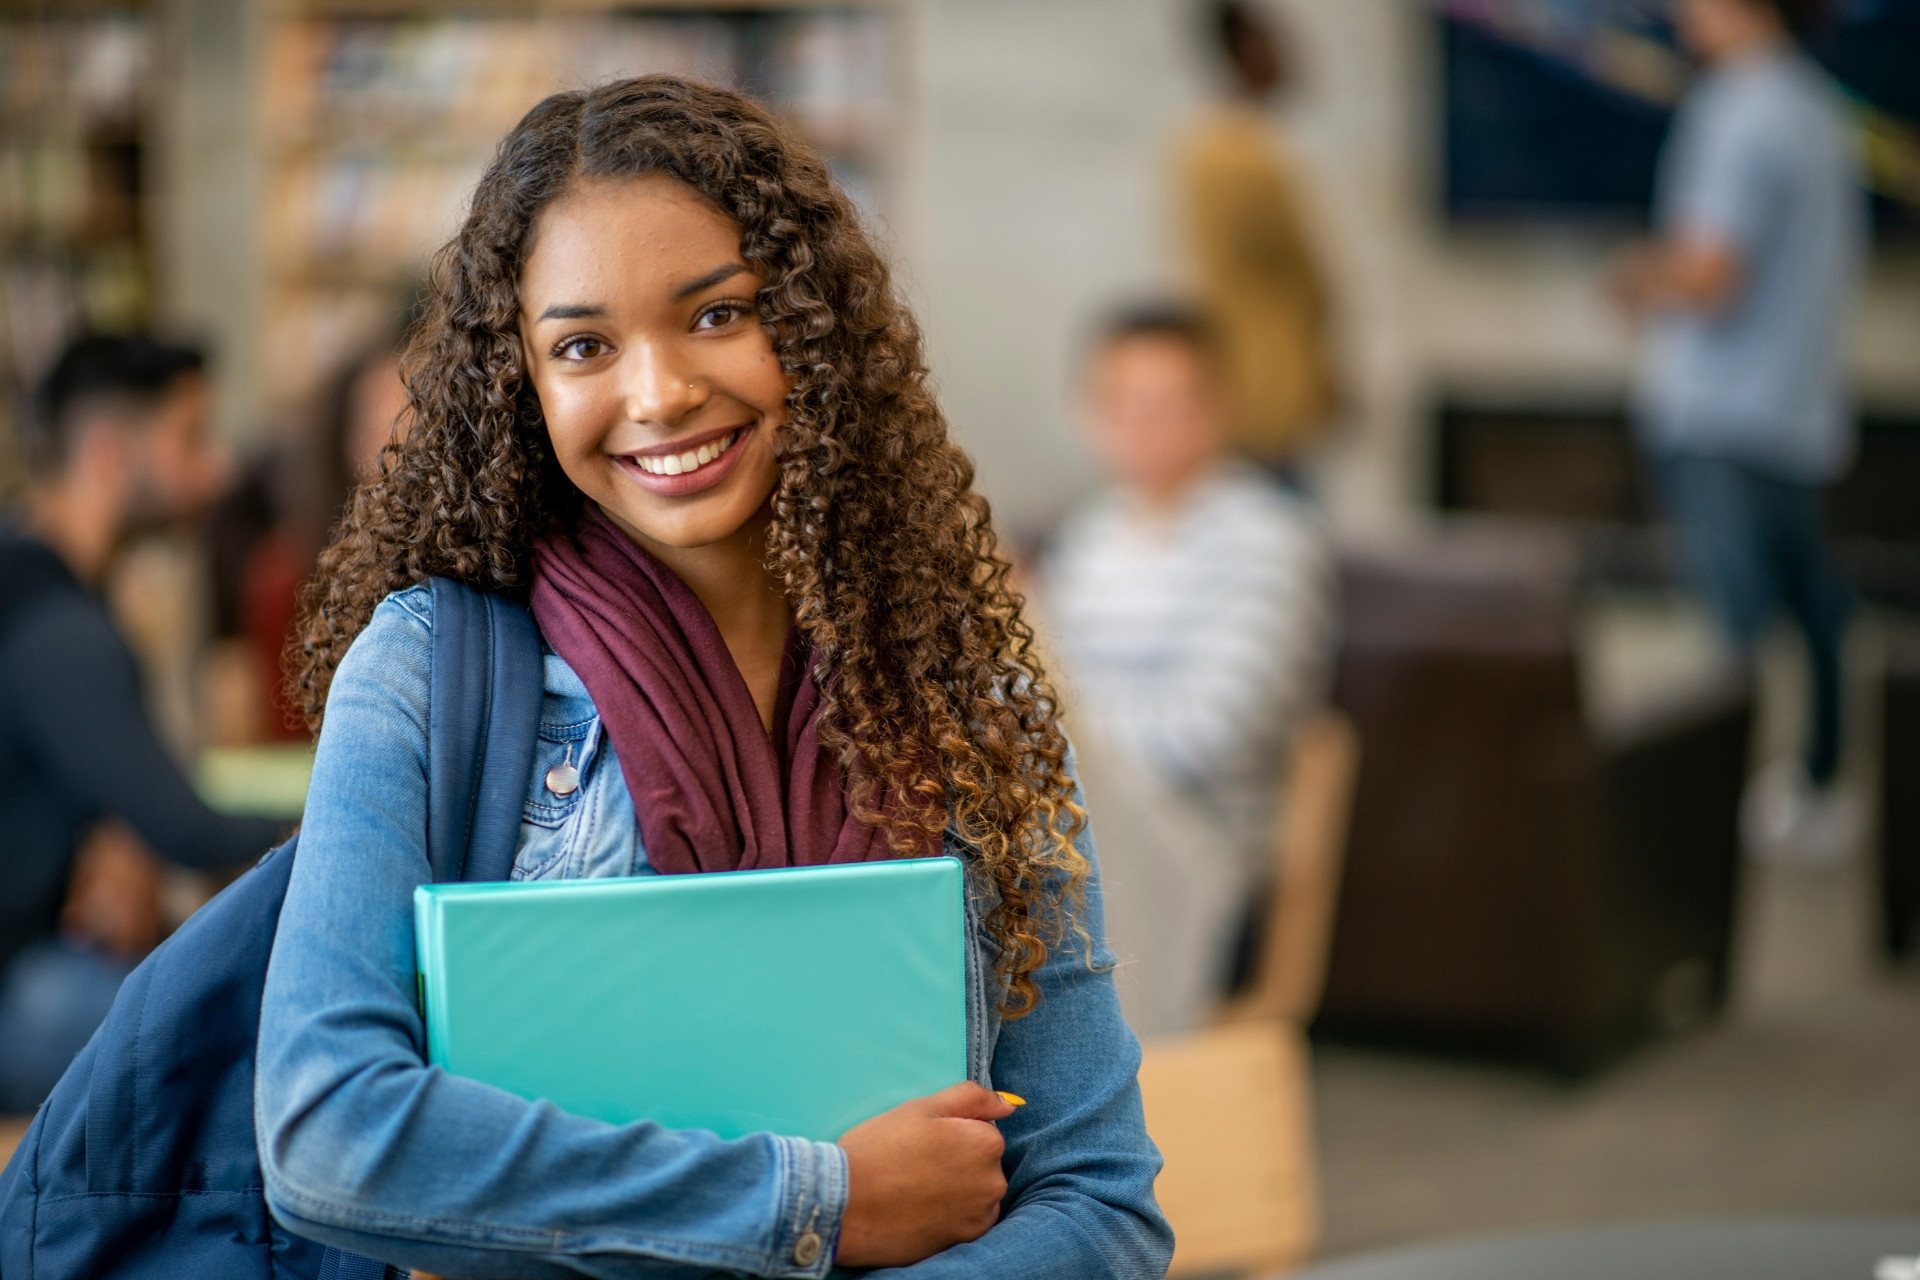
{"x":689,"y":536}
{"x":695,"y":525}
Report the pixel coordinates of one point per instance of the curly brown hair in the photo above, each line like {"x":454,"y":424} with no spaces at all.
{"x":930,"y":682}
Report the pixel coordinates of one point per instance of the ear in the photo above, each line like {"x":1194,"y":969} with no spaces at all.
{"x":102,"y":453}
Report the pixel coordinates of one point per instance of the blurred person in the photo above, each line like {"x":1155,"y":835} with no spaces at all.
{"x":1193,"y":603}
{"x":270,"y":530}
{"x":363,"y":413}
{"x":117,"y":444}
{"x":1747,"y":290}
{"x":1246,"y":241}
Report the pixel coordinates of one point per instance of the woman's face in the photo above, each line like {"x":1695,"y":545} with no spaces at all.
{"x":660,"y":388}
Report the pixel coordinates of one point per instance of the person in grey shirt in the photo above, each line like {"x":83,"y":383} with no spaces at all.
{"x":1192,"y":604}
{"x":1746,"y":293}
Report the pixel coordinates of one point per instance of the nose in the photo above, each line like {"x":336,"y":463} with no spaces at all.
{"x":659,"y":389}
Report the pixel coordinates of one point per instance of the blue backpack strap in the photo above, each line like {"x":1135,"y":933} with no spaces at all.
{"x":483,"y":721}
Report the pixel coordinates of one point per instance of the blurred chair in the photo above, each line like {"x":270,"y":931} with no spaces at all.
{"x":1291,"y":969}
{"x":1231,"y":1110}
{"x":1899,"y":797}
{"x":1231,"y":1107}
{"x":1521,"y":880}
{"x":12,"y":1129}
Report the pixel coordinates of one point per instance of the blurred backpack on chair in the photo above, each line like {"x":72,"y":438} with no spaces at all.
{"x":1231,"y":1106}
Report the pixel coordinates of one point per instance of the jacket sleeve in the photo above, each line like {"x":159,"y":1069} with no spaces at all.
{"x":1080,"y":1166}
{"x":366,"y":1147}
{"x":77,"y":697}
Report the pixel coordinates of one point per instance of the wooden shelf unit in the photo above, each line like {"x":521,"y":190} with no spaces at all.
{"x":77,"y":83}
{"x":377,"y":117}
{"x":521,"y":8}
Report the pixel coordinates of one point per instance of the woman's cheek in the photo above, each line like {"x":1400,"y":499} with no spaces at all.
{"x":569,"y":422}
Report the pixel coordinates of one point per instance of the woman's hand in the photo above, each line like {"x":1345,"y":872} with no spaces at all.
{"x":923,"y":1177}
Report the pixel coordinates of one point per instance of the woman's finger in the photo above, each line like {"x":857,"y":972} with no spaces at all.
{"x":968,"y":1101}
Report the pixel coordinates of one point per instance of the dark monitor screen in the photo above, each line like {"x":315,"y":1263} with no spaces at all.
{"x":1556,"y":109}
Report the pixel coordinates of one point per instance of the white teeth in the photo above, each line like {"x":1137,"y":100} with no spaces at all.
{"x":677,"y":464}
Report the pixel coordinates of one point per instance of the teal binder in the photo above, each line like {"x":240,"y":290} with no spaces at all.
{"x":797,"y":1001}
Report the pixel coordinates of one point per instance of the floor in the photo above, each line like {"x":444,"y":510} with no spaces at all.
{"x":1806,"y":1106}
{"x":1803,"y":1098}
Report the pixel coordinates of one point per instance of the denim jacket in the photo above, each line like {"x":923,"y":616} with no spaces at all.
{"x":367,"y":1147}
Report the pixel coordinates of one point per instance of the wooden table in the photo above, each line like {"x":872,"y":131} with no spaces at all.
{"x":12,"y":1129}
{"x":1751,"y":1249}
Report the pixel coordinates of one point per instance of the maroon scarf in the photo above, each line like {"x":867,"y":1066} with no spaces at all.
{"x":712,"y":790}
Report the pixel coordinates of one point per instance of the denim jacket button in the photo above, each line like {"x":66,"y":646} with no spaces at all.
{"x":806,"y":1250}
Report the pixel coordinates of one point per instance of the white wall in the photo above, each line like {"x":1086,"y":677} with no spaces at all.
{"x":1031,"y":206}
{"x":1036,"y":199}
{"x":207,"y":199}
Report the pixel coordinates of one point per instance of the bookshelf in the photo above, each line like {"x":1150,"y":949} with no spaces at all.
{"x":378,"y":117}
{"x":76,"y":86}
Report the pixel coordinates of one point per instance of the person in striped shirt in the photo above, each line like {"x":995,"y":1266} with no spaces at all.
{"x":1192,"y":605}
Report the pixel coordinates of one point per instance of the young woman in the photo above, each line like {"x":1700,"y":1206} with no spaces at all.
{"x":664,"y":392}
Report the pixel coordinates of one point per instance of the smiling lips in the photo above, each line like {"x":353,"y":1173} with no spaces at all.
{"x":676,"y":475}
{"x":675,"y":464}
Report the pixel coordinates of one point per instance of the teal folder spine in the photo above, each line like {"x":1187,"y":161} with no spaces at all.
{"x":429,"y":975}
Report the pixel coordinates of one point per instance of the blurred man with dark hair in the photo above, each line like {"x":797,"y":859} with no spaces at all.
{"x":1748,"y":292}
{"x":1248,"y":245}
{"x":1193,"y":603}
{"x":118,"y":442}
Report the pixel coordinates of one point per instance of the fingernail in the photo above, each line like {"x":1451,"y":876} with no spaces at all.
{"x":1011,"y":1099}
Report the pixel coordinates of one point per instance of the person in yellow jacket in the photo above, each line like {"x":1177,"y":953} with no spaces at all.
{"x":1247,"y":244}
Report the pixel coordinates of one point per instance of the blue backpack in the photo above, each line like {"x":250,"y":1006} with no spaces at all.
{"x":142,"y":1162}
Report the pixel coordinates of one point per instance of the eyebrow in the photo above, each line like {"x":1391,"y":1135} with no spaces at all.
{"x":709,"y":280}
{"x":590,"y":311}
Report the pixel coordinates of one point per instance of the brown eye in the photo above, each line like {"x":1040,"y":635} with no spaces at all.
{"x":718,"y":316}
{"x":582,"y":348}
